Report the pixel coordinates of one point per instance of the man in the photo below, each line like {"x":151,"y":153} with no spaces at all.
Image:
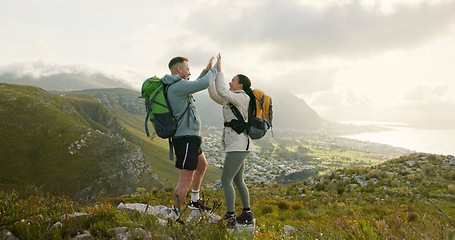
{"x":190,"y":160}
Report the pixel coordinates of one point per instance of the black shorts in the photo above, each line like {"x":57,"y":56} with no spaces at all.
{"x":187,"y":150}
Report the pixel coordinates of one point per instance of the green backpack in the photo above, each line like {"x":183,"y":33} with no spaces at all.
{"x":154,"y":93}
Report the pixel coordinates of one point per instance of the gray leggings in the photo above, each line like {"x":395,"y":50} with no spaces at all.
{"x":234,"y":166}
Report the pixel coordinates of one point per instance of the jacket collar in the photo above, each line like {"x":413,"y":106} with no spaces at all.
{"x":238,"y":91}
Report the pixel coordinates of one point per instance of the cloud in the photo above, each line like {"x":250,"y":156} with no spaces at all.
{"x":427,"y":94}
{"x":123,"y":75}
{"x":422,"y":106}
{"x":292,"y":31}
{"x":306,"y":80}
{"x":42,"y":69}
{"x":345,"y":97}
{"x":347,"y":57}
{"x":430,"y":105}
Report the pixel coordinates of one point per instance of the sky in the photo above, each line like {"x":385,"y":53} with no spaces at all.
{"x":350,"y":60}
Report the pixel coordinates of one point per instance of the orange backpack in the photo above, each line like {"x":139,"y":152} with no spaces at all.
{"x":260,"y":114}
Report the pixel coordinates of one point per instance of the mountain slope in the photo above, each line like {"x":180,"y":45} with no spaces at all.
{"x":288,"y":111}
{"x":129,"y":111}
{"x":66,"y":144}
{"x":293,"y":112}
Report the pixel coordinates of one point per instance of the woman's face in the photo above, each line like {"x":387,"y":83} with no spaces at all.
{"x":234,"y":85}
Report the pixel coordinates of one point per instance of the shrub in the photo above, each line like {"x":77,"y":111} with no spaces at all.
{"x":300,"y":214}
{"x":374,"y":173}
{"x":412,"y":216}
{"x":283,"y":205}
{"x":340,"y":190}
{"x":140,"y":190}
{"x":296,"y":206}
{"x":430,"y":170}
{"x":100,"y":230}
{"x":414,"y":178}
{"x":451,"y":188}
{"x":369,"y":188}
{"x":320,"y":187}
{"x":450,"y":176}
{"x":433,"y":157}
{"x":266,"y":209}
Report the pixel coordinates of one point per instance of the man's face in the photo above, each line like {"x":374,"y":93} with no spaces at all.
{"x":183,"y":70}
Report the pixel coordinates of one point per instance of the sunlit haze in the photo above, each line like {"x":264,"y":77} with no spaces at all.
{"x":387,"y":60}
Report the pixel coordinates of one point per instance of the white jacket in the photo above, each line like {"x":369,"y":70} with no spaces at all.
{"x":232,"y":141}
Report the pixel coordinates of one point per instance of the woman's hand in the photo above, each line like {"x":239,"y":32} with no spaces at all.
{"x":218,"y":62}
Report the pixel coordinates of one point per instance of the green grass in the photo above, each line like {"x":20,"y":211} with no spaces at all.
{"x":385,"y":210}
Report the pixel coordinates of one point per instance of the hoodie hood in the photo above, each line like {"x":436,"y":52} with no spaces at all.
{"x":170,"y":79}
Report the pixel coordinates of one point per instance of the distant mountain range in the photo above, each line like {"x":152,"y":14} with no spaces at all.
{"x":289,"y":111}
{"x":64,"y":81}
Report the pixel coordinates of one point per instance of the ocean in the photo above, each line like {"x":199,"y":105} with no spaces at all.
{"x":437,"y":141}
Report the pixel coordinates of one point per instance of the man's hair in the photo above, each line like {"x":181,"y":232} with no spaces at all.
{"x":177,"y":60}
{"x":245,"y":81}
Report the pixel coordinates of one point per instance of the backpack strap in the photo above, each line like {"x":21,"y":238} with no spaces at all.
{"x":146,"y":125}
{"x":171,"y":149}
{"x":261,"y":105}
{"x":165,"y":87}
{"x":239,"y":116}
{"x":236,"y":112}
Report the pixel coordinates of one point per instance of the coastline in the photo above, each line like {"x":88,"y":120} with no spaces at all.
{"x":436,"y":141}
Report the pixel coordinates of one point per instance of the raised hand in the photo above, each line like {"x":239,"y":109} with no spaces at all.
{"x":209,"y":65}
{"x":218,"y":62}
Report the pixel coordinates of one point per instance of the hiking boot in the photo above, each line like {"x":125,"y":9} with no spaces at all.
{"x":199,"y":205}
{"x":245,"y":218}
{"x":175,"y":216}
{"x":229,"y":219}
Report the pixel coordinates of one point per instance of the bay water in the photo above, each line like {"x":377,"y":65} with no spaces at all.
{"x":437,"y":141}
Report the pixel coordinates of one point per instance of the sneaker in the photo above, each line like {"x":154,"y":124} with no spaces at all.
{"x":199,"y":205}
{"x":245,"y":218}
{"x":175,"y":216}
{"x":229,"y":219}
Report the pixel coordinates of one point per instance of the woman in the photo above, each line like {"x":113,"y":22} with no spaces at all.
{"x":237,"y":145}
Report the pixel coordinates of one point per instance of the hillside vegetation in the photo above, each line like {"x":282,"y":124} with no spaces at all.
{"x":82,"y":144}
{"x":66,"y":145}
{"x":410,"y":197}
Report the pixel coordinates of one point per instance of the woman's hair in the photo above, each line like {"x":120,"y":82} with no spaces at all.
{"x":245,"y":81}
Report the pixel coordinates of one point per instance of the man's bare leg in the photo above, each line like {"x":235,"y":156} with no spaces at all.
{"x":185,"y":179}
{"x":199,"y":172}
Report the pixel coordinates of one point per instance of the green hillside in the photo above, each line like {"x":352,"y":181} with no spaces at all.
{"x":66,"y":145}
{"x":82,"y":144}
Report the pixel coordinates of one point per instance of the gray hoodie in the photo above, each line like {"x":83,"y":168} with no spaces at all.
{"x":179,"y":95}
